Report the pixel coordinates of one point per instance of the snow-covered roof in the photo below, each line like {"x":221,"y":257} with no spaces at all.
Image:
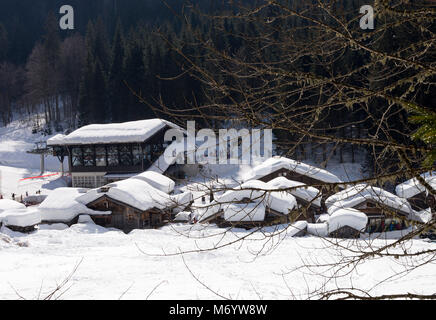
{"x":278,"y":201}
{"x":318,"y":229}
{"x":357,"y":194}
{"x":62,"y":205}
{"x":423,"y":216}
{"x":245,"y":212}
{"x":309,"y":194}
{"x":20,"y":217}
{"x":183,"y":216}
{"x":276,"y":163}
{"x":128,"y":132}
{"x":343,"y":217}
{"x":412,"y":187}
{"x":347,"y":217}
{"x":133,"y":192}
{"x":281,"y":202}
{"x":6,"y":204}
{"x":182,"y":201}
{"x":296,"y":228}
{"x":157,"y":180}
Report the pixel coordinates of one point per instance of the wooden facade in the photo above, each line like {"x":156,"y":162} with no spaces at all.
{"x":272,"y":217}
{"x":307,"y":210}
{"x":382,"y":217}
{"x":345,"y":232}
{"x":422,"y":201}
{"x":126,"y":217}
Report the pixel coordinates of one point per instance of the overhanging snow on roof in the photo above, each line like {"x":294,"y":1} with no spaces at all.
{"x":276,"y":163}
{"x":362,"y":192}
{"x":128,"y":132}
{"x":412,"y":187}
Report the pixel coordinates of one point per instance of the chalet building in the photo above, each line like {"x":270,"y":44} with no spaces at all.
{"x":308,"y":198}
{"x":385,"y":211}
{"x":416,"y":194}
{"x":293,"y":170}
{"x":134,"y":204}
{"x":99,"y":154}
{"x":248,"y":207}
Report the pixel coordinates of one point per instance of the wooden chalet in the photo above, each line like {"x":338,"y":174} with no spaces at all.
{"x":385,"y":211}
{"x":129,"y":204}
{"x":275,"y":167}
{"x":416,"y":194}
{"x":126,"y":217}
{"x":271,"y":217}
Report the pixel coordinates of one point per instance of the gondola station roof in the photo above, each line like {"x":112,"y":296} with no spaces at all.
{"x":128,"y":132}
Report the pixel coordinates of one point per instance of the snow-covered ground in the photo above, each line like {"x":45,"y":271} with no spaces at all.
{"x":112,"y":264}
{"x":16,"y":164}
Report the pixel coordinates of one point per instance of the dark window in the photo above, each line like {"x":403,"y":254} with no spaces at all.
{"x":126,"y":155}
{"x":88,"y":157}
{"x":137,"y":155}
{"x":147,"y":153}
{"x":112,"y":156}
{"x":100,"y":156}
{"x":77,"y":157}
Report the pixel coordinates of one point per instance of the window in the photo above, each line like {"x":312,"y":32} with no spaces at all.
{"x":100,"y":156}
{"x":112,"y":156}
{"x":88,"y":157}
{"x":130,"y":217}
{"x":77,"y":157}
{"x":137,"y":155}
{"x":84,"y":182}
{"x":126,"y":156}
{"x":147,"y":153}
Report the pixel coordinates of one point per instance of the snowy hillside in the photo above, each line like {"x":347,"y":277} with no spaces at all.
{"x":16,"y":164}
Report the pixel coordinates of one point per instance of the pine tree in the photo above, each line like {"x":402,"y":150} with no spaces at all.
{"x":117,"y":89}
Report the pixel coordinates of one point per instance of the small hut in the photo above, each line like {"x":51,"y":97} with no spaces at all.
{"x":385,"y":211}
{"x":133,"y":203}
{"x":308,"y":198}
{"x":417,"y":194}
{"x":248,"y":206}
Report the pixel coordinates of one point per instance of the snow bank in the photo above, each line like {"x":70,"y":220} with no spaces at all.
{"x":276,"y":163}
{"x":128,"y":132}
{"x":412,"y":187}
{"x":6,"y":204}
{"x":62,"y":205}
{"x":84,"y":218}
{"x":307,"y":193}
{"x":355,"y":195}
{"x":157,"y":181}
{"x":20,"y":217}
{"x":347,"y":217}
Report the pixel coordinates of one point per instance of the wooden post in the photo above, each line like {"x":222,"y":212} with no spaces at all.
{"x":42,"y":164}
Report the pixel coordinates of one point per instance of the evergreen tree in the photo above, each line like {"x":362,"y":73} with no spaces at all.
{"x":118,"y":92}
